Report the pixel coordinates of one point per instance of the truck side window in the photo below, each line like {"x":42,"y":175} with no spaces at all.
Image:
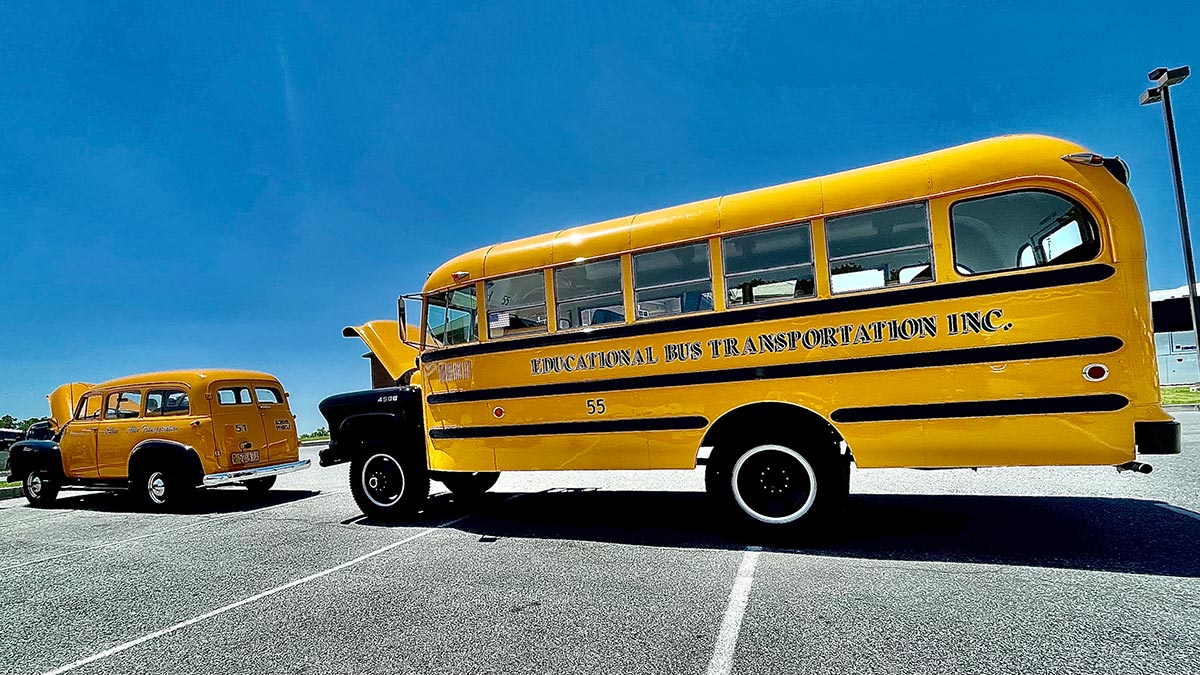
{"x":166,"y":402}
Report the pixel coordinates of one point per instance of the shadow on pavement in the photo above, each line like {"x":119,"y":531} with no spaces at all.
{"x":210,"y":501}
{"x":1086,"y":533}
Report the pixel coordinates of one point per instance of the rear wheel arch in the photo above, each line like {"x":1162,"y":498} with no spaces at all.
{"x":769,"y":419}
{"x":159,"y":453}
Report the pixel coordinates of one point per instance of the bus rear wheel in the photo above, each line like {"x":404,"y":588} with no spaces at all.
{"x":388,"y":485}
{"x":469,"y":485}
{"x":777,"y":486}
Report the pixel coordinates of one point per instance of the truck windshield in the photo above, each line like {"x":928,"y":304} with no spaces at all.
{"x":450,"y":317}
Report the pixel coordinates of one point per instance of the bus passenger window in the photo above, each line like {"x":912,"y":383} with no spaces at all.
{"x":770,"y":265}
{"x":516,"y":305}
{"x":450,"y":317}
{"x":1015,"y":230}
{"x":888,"y":247}
{"x":589,"y":294}
{"x":672,"y":281}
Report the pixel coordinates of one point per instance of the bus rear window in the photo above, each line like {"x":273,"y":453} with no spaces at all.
{"x":1015,"y":230}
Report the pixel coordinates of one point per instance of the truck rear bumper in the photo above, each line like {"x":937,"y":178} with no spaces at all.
{"x":1157,"y":437}
{"x":250,"y":474}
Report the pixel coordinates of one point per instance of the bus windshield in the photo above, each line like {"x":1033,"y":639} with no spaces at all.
{"x":450,"y":317}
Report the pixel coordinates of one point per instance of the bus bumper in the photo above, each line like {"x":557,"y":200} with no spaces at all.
{"x":1157,"y":437}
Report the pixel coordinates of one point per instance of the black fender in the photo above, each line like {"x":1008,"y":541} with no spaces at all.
{"x":158,"y":451}
{"x":363,"y":431}
{"x":25,"y":456}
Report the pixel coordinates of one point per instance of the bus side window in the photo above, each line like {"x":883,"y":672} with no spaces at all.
{"x":516,"y":305}
{"x":589,"y":294}
{"x":887,"y":247}
{"x":1030,"y":228}
{"x":769,"y":265}
{"x":450,"y":317}
{"x":672,"y":281}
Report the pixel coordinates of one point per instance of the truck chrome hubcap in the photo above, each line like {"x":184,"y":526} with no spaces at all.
{"x":383,"y":480}
{"x":35,"y":486}
{"x":156,"y":487}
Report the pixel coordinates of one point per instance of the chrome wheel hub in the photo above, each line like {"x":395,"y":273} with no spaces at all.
{"x":35,"y":486}
{"x":383,"y":480}
{"x":156,"y":487}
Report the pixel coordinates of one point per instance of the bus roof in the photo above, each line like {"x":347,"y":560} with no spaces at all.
{"x":901,"y":180}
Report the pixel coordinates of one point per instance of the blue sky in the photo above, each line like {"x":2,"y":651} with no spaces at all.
{"x":183,"y":186}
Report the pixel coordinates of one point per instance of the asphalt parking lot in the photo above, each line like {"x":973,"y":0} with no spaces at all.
{"x":1003,"y":570}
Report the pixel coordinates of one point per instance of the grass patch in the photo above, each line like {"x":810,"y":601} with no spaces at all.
{"x":1178,"y":395}
{"x":8,"y":485}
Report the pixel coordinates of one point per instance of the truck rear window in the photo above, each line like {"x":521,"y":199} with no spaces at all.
{"x":234,"y":396}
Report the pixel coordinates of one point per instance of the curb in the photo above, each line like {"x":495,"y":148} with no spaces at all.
{"x":10,"y":492}
{"x":309,"y":444}
{"x":1179,"y":407}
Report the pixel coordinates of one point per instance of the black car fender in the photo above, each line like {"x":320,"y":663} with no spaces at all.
{"x":26,"y":456}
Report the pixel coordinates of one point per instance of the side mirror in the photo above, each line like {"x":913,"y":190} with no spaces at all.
{"x":401,"y":319}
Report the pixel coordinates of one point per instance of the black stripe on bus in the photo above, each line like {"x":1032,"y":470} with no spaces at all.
{"x":1028,"y":281}
{"x":996,"y":408}
{"x":689,"y":422}
{"x":947,"y":357}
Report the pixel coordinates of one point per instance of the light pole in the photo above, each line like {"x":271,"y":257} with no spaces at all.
{"x":1164,"y":79}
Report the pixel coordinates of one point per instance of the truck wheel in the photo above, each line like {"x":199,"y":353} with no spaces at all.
{"x":388,"y":485}
{"x":260,"y":486}
{"x":161,"y":489}
{"x":39,"y":488}
{"x":777,"y":486}
{"x":469,"y":485}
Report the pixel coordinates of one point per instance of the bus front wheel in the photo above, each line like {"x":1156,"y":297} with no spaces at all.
{"x":771,"y":486}
{"x":389,"y":485}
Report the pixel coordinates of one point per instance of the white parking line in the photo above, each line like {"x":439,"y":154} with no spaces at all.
{"x":1182,"y":512}
{"x":245,"y":601}
{"x":187,"y":526}
{"x":731,"y":625}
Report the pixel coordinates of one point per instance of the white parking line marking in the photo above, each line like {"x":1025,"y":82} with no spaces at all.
{"x":731,"y":625}
{"x":200,"y":523}
{"x":245,"y":601}
{"x":1182,"y":512}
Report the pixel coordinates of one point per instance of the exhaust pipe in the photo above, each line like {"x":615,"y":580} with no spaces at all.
{"x":1136,"y":467}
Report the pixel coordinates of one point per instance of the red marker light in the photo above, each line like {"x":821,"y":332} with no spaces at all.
{"x":498,"y":412}
{"x":1095,"y":372}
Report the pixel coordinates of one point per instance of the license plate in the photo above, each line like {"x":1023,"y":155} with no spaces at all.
{"x":244,"y":457}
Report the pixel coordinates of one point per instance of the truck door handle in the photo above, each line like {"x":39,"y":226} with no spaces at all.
{"x":247,"y":445}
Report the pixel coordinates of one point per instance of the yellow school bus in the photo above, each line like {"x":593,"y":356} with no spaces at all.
{"x":984,"y":305}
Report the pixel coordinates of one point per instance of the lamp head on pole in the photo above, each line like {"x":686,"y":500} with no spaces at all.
{"x":1151,"y":95}
{"x":1166,"y":77}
